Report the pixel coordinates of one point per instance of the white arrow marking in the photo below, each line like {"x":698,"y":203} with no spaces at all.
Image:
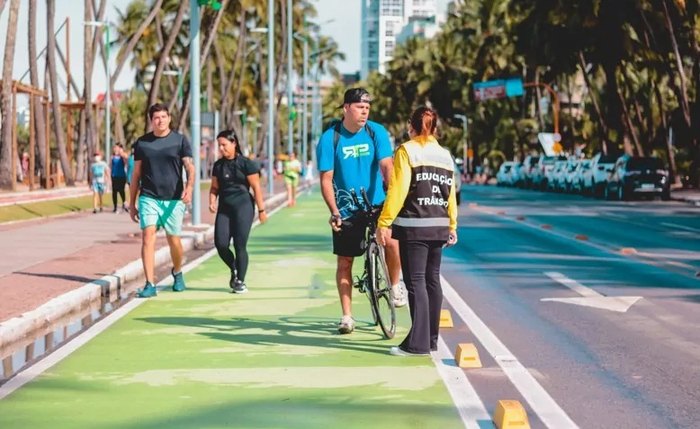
{"x":589,"y":297}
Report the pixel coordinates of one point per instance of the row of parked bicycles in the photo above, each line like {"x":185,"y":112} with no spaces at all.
{"x":613,"y":178}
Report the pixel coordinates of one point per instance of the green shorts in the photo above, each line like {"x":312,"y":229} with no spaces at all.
{"x":291,"y":180}
{"x":167,"y":214}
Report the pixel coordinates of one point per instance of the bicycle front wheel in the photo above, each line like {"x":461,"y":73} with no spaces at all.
{"x":381,"y":300}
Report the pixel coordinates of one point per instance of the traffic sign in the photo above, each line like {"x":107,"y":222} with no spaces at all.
{"x":500,"y":88}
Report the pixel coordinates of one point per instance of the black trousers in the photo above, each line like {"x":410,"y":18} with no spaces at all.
{"x":118,"y":185}
{"x":234,"y":223}
{"x":420,"y":263}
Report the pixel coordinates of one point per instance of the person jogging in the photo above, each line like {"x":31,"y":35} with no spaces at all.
{"x":99,"y":172}
{"x":291,"y":172}
{"x":232,"y":178}
{"x":159,"y":158}
{"x":421,"y":210}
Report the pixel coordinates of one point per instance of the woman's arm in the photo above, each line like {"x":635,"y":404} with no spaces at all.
{"x":254,"y":182}
{"x":213,"y":194}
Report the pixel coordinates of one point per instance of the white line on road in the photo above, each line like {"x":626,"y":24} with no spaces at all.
{"x":469,"y":406}
{"x":687,"y":228}
{"x":589,"y":297}
{"x":546,"y":408}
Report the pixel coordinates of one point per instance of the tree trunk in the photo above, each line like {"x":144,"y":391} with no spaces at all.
{"x":210,"y":35}
{"x":601,"y":119}
{"x":165,"y":56}
{"x":683,"y":93}
{"x":125,"y":52}
{"x":629,"y":125}
{"x":6,"y":149}
{"x":240,"y":52}
{"x":2,"y":6}
{"x":672,"y":168}
{"x":39,"y":112}
{"x":55,"y":104}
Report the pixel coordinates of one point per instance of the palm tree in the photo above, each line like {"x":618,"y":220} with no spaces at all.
{"x":164,"y":56}
{"x":39,"y":118}
{"x":6,"y":150}
{"x":55,"y":96}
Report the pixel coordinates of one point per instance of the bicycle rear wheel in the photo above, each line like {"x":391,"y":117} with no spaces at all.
{"x":381,"y":301}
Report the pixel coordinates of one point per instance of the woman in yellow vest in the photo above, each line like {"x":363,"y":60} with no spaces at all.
{"x":421,"y":213}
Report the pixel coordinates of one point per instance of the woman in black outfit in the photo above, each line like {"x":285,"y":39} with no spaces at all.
{"x":233,"y":175}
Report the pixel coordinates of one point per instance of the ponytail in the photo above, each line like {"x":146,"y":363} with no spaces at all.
{"x":424,"y":121}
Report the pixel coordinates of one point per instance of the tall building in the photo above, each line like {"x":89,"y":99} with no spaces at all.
{"x":382,"y":21}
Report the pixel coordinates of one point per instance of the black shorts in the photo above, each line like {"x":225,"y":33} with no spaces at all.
{"x":350,"y":240}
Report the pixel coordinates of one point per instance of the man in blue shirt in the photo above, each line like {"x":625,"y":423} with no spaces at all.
{"x":355,"y":160}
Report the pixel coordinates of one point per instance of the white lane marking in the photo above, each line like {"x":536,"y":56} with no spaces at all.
{"x":573,"y":285}
{"x":546,"y":408}
{"x":687,"y":228}
{"x":604,"y":248}
{"x":27,"y":375}
{"x":589,"y":297}
{"x":469,"y":406}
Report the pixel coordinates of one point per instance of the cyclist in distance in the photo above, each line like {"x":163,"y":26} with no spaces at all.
{"x":355,"y":154}
{"x":421,"y":210}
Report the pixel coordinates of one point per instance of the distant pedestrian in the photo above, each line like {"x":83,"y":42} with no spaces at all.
{"x":292,"y":170}
{"x":309,"y":172}
{"x":99,"y":172}
{"x":232,"y":178}
{"x":159,"y":158}
{"x":119,"y":164}
{"x":421,"y":213}
{"x":130,"y":166}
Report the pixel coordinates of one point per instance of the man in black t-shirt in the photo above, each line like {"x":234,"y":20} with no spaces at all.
{"x":159,"y":158}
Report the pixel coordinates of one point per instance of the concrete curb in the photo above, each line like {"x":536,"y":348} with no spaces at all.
{"x":17,"y":332}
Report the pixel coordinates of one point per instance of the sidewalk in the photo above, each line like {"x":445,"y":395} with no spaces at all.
{"x":271,"y":358}
{"x":691,"y":196}
{"x":43,"y":260}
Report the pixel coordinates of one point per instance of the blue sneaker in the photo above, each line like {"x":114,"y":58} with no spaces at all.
{"x":179,"y":282}
{"x":148,"y":291}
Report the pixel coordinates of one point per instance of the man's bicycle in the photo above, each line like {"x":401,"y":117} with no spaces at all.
{"x":375,"y":282}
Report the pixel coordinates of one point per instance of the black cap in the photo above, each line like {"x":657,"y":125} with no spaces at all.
{"x":356,"y":95}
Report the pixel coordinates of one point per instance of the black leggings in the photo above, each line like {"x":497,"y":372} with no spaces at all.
{"x":118,"y":185}
{"x":420,"y":263}
{"x":234,"y":223}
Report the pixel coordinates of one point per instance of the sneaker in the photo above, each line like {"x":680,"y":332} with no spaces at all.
{"x":148,"y":291}
{"x":398,"y":351}
{"x":346,"y":325}
{"x":239,"y":287}
{"x":232,"y":282}
{"x":179,"y":282}
{"x":399,"y":294}
{"x":94,"y":211}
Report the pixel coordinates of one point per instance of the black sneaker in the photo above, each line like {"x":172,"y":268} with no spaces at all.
{"x":239,"y":287}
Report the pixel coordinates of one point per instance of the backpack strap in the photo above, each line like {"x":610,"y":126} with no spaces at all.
{"x":336,"y":134}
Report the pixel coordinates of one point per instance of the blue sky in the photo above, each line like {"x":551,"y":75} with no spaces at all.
{"x":345,"y":29}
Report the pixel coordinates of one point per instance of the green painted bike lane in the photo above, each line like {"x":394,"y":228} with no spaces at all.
{"x":271,"y":358}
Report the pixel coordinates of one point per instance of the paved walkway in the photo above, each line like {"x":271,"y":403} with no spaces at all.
{"x":271,"y":358}
{"x":42,"y":259}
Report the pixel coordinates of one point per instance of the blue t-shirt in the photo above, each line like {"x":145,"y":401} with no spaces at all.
{"x":118,"y":167}
{"x":98,"y":170}
{"x":355,"y":165}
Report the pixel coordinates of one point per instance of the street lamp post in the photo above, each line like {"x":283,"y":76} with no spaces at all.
{"x":270,"y":94}
{"x":195,"y":120}
{"x":463,"y":118}
{"x":290,"y":103}
{"x":108,"y":98}
{"x":178,"y":89}
{"x":304,"y":85}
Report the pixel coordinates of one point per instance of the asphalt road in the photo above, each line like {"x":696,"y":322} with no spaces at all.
{"x":621,"y":346}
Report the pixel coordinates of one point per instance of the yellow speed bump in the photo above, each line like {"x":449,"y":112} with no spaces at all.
{"x":510,"y":414}
{"x":446,"y":319}
{"x":467,"y":356}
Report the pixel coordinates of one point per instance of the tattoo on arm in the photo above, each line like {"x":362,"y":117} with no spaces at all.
{"x":189,"y":168}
